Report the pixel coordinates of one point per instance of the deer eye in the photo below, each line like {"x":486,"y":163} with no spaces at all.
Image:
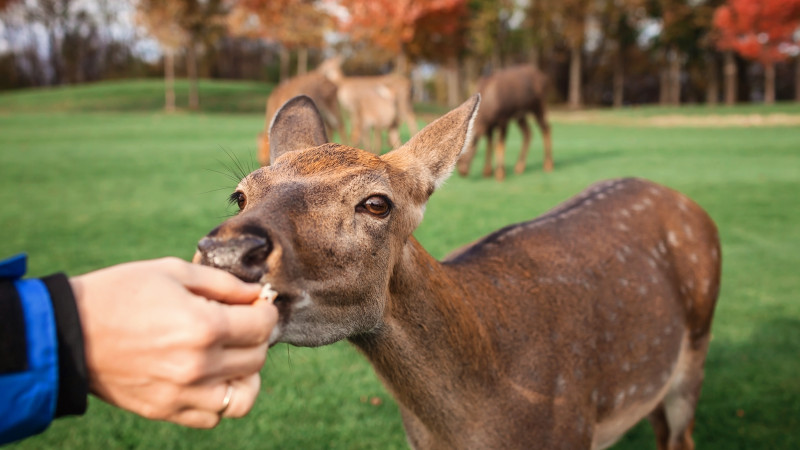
{"x":239,"y":198}
{"x":377,"y":205}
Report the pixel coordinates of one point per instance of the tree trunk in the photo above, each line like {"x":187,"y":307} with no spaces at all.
{"x":470,"y":75}
{"x":453,"y":82}
{"x":575,"y":95}
{"x":675,"y":77}
{"x":729,"y":73}
{"x":712,"y":88}
{"x":618,"y":79}
{"x":302,"y":61}
{"x":797,"y":79}
{"x":418,"y":86}
{"x":401,"y":64}
{"x":169,"y":80}
{"x":191,"y":71}
{"x":769,"y":83}
{"x":284,"y":57}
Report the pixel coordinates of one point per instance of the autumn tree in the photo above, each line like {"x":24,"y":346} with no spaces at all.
{"x":195,"y":22}
{"x":759,"y":30}
{"x":158,"y":18}
{"x":295,"y":24}
{"x":393,"y":24}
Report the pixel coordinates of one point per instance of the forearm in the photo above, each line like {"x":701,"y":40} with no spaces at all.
{"x":42,"y":368}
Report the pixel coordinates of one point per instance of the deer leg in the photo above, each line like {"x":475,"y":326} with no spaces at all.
{"x":487,"y":165}
{"x":544,"y":126}
{"x":500,"y":155}
{"x":394,"y":137}
{"x":519,"y":168}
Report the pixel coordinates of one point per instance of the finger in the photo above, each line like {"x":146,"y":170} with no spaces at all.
{"x":216,"y":284}
{"x":243,"y":396}
{"x":195,"y":418}
{"x":236,"y":362}
{"x":248,"y":325}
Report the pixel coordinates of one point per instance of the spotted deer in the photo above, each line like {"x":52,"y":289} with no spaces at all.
{"x":558,"y":333}
{"x":509,"y":95}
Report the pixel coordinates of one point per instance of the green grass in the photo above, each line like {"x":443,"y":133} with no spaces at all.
{"x":83,"y":188}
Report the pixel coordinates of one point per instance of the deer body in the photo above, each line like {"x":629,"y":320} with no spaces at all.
{"x":510,"y":95}
{"x":375,"y":104}
{"x":315,"y":85}
{"x":561,"y":332}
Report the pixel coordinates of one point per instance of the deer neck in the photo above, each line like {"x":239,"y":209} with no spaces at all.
{"x":431,"y":337}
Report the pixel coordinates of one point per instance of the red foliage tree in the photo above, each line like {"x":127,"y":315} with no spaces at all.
{"x":407,"y":27}
{"x":759,"y":30}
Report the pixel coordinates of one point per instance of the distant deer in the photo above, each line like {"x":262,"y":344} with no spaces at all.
{"x":318,"y":87}
{"x":506,"y":95}
{"x":374,"y":104}
{"x":558,"y":333}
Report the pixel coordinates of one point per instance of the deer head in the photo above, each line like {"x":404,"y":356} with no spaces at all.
{"x":326,"y":224}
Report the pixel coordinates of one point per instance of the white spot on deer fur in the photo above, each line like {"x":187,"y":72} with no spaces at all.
{"x":624,"y":282}
{"x":652,"y":262}
{"x":601,"y":196}
{"x":624,"y":212}
{"x":656,"y":341}
{"x":688,"y":230}
{"x":642,"y":289}
{"x":621,"y":226}
{"x":706,"y":285}
{"x":690,"y":284}
{"x":620,"y":397}
{"x":714,"y":254}
{"x":693,"y":258}
{"x":627,"y":250}
{"x":620,"y":256}
{"x":647,"y":201}
{"x":672,"y":238}
{"x":626,"y":366}
{"x":594,"y":396}
{"x":682,"y":205}
{"x":638,"y":207}
{"x":654,"y":191}
{"x":662,"y":247}
{"x":632,"y":390}
{"x":561,"y":384}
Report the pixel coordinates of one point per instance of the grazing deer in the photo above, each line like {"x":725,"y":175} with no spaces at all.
{"x":374,"y":104}
{"x":506,"y":95}
{"x":558,"y":333}
{"x":314,"y":84}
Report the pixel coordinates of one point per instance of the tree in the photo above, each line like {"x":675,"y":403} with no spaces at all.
{"x":199,"y":21}
{"x":295,"y":24}
{"x":393,"y":24}
{"x":159,"y":19}
{"x":758,"y":30}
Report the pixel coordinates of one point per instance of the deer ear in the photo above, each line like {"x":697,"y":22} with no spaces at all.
{"x":296,"y":126}
{"x":437,"y":147}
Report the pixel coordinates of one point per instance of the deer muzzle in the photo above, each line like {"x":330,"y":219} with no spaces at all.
{"x":243,"y":256}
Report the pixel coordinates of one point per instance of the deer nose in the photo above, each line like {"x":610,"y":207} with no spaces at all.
{"x":243,"y":256}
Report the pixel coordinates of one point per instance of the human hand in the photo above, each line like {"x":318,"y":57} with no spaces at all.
{"x":165,"y":338}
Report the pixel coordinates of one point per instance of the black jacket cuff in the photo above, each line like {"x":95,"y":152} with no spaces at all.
{"x":73,"y":386}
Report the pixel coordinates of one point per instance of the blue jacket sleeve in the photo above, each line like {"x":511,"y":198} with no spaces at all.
{"x":42,"y":368}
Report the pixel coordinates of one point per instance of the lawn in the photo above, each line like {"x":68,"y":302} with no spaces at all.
{"x":94,"y":175}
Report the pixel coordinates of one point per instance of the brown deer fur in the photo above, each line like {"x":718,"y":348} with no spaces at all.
{"x":558,"y":333}
{"x":510,"y":95}
{"x":314,"y":84}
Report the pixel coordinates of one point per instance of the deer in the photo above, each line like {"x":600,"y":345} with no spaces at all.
{"x":318,"y":87}
{"x":374,"y":104}
{"x":561,"y":332}
{"x":510,"y":95}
